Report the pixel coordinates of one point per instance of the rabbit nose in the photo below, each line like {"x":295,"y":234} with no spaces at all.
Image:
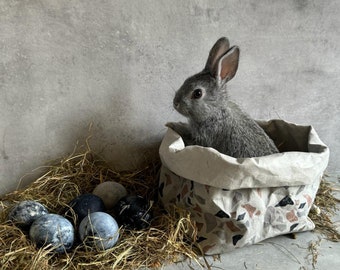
{"x":176,"y":104}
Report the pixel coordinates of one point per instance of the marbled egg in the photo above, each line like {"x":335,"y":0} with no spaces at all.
{"x":99,"y":230}
{"x":134,"y":212}
{"x":110,"y":192}
{"x":54,"y":230}
{"x":85,"y":204}
{"x":25,"y":212}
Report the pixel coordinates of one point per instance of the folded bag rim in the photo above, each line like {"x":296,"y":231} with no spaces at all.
{"x":207,"y":166}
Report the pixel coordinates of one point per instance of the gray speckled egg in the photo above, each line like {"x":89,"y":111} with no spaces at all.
{"x":99,"y":230}
{"x":110,"y":192}
{"x":25,"y":212}
{"x":52,"y":229}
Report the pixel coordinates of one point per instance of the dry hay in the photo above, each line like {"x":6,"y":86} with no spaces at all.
{"x":314,"y":252}
{"x":168,"y":239}
{"x":325,"y":207}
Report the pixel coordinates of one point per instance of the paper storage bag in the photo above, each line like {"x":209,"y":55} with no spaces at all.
{"x":242,"y":201}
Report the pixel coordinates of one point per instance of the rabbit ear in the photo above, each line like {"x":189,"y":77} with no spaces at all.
{"x":220,"y":48}
{"x":228,"y":64}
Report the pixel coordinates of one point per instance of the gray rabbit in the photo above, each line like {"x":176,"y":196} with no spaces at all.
{"x":213,"y":120}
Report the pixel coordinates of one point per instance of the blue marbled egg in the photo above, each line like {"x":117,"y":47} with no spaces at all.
{"x":54,"y":230}
{"x":99,"y":230}
{"x":25,"y":212}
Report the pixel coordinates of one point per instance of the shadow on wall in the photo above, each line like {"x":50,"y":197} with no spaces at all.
{"x":92,"y":137}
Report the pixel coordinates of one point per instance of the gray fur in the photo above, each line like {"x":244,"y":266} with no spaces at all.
{"x":213,"y":120}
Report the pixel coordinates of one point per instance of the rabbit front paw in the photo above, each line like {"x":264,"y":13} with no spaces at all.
{"x":183,"y":130}
{"x":180,"y":128}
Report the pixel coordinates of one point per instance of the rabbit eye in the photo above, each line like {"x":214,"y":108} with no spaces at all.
{"x":196,"y":94}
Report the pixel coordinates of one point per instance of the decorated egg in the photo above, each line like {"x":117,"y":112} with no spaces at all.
{"x":25,"y":212}
{"x":86,"y":204}
{"x":110,"y":192}
{"x":99,"y":230}
{"x":54,"y":230}
{"x":134,"y":212}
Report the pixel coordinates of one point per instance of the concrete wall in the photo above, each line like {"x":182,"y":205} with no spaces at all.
{"x":116,"y":64}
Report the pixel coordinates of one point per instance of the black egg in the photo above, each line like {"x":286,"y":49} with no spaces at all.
{"x":134,"y":212}
{"x":84,"y":205}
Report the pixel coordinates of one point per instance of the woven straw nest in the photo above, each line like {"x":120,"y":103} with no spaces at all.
{"x":170,"y":238}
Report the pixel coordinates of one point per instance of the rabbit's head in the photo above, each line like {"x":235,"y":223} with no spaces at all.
{"x":204,"y":93}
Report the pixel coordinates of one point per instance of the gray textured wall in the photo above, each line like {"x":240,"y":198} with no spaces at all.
{"x":65,"y":64}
